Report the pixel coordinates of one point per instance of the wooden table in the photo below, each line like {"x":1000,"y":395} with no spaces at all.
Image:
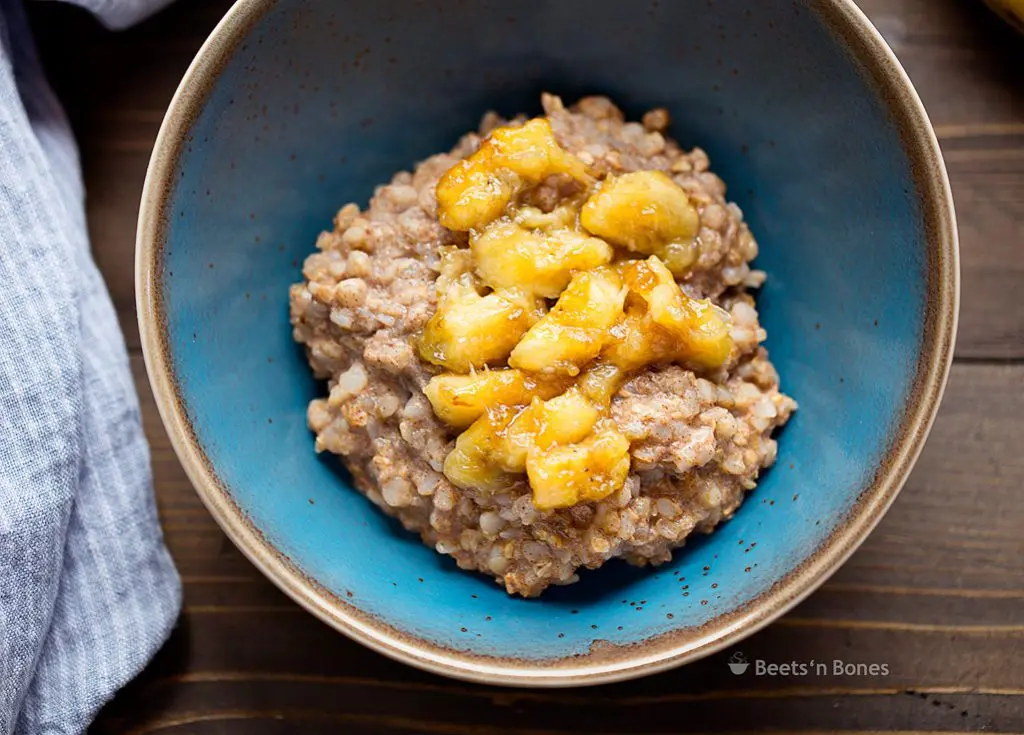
{"x":936,"y":593}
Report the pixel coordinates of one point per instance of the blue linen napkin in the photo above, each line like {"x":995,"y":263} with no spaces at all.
{"x":88,"y":592}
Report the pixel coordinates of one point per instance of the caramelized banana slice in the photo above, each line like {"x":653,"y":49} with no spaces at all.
{"x":589,"y":470}
{"x":564,"y":419}
{"x":509,"y":256}
{"x":600,"y":382}
{"x":673,"y":326}
{"x":471,"y":331}
{"x":476,"y":190}
{"x":459,"y":400}
{"x":577,"y":327}
{"x":646,"y":212}
{"x":470,"y":464}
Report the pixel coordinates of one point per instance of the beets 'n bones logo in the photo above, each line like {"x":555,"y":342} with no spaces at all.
{"x":738,"y":665}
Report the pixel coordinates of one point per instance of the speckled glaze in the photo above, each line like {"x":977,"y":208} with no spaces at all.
{"x":294,"y":108}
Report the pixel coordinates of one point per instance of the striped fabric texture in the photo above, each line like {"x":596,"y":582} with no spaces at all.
{"x":88,"y":592}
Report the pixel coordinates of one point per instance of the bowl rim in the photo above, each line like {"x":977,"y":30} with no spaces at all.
{"x":600,"y":665}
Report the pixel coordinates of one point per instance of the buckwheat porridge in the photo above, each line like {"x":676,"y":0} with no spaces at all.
{"x":540,"y":348}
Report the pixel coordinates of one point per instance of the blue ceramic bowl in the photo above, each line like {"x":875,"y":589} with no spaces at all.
{"x":293,"y":108}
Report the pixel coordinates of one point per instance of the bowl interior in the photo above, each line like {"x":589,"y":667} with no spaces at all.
{"x":317,"y":102}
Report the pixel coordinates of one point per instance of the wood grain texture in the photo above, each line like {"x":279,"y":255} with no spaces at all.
{"x":936,"y":593}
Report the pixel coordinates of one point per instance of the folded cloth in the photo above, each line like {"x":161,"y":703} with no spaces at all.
{"x":88,"y":592}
